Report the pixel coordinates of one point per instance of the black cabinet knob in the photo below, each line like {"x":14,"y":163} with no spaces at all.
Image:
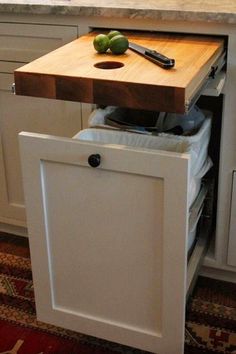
{"x":94,"y":160}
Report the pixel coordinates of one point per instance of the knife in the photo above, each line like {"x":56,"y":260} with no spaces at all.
{"x":153,"y":55}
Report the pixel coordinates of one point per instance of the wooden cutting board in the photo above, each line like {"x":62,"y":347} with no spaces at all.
{"x":76,"y":72}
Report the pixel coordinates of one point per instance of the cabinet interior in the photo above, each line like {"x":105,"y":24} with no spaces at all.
{"x":215,"y":106}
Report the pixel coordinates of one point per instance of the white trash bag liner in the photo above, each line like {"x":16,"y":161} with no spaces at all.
{"x":164,"y":121}
{"x":188,"y":121}
{"x":97,"y":117}
{"x":196,"y":146}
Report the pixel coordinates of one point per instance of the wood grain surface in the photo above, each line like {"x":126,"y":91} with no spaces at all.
{"x":70,"y":72}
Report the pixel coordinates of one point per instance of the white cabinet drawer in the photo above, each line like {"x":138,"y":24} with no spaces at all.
{"x":26,"y":42}
{"x":109,"y":244}
{"x":8,"y":67}
{"x":6,"y":80}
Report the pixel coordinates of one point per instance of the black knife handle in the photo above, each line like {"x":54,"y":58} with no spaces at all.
{"x":161,"y":59}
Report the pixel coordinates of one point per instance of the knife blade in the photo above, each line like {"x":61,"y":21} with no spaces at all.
{"x":153,"y":55}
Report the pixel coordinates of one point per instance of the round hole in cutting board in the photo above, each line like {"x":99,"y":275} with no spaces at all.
{"x":109,"y":65}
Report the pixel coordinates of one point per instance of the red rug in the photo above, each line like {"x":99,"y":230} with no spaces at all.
{"x":211,"y":318}
{"x":210,"y":323}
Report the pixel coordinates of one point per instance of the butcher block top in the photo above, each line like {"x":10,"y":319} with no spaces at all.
{"x":76,"y":72}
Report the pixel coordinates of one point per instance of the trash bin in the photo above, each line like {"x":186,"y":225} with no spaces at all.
{"x":147,"y":122}
{"x":196,"y":145}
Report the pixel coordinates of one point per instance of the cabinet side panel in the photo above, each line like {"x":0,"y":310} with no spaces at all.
{"x":232,"y":230}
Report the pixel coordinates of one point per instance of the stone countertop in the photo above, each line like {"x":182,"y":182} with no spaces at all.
{"x":219,"y":11}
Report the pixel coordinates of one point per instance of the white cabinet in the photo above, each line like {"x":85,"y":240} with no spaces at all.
{"x":118,"y":244}
{"x":113,"y":239}
{"x":106,"y":238}
{"x":21,"y":43}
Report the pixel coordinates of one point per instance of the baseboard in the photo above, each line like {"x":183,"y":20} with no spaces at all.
{"x":13,"y":229}
{"x":219,"y":274}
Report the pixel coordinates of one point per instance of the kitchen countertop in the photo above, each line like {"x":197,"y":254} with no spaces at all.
{"x":219,"y":11}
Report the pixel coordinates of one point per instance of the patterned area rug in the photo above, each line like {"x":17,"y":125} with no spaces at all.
{"x":210,"y":324}
{"x":211,"y":318}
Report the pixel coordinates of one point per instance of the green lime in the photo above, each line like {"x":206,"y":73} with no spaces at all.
{"x":101,"y":43}
{"x":113,"y":33}
{"x":119,"y":44}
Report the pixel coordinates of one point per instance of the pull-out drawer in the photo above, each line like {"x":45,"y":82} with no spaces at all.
{"x":118,"y":232}
{"x":109,"y":244}
{"x":76,"y":72}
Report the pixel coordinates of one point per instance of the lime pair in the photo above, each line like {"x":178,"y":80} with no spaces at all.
{"x":114,"y":40}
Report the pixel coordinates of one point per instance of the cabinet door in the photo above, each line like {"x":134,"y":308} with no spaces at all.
{"x":108,"y":244}
{"x":33,"y":115}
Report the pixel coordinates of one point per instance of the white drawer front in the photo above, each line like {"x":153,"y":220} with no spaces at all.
{"x":6,"y":81}
{"x":26,"y":42}
{"x":8,"y":67}
{"x":109,"y":244}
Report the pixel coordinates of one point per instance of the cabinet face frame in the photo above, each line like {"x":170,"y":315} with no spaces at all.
{"x":36,"y":150}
